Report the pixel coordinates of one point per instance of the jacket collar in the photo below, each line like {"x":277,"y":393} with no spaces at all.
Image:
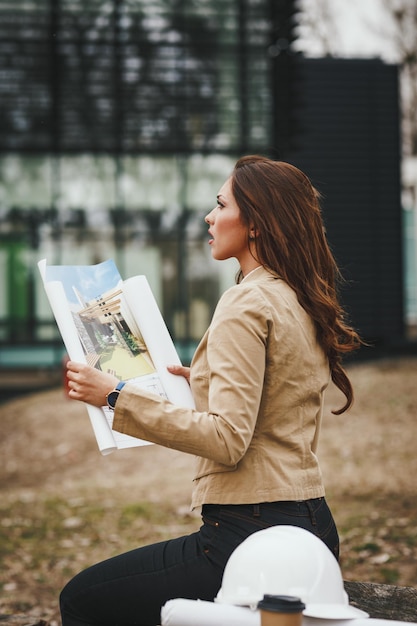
{"x":258,"y":274}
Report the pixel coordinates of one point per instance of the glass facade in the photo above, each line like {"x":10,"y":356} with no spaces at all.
{"x":120,"y":119}
{"x":132,"y":76}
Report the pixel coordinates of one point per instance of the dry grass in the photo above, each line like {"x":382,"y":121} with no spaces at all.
{"x":65,"y":506}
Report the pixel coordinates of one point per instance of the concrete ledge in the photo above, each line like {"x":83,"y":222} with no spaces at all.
{"x":21,"y":620}
{"x":384,"y":601}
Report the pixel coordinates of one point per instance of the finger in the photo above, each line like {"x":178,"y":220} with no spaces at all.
{"x":73,"y":366}
{"x":72,"y":385}
{"x":178,"y":370}
{"x":73,"y":393}
{"x":72,"y":376}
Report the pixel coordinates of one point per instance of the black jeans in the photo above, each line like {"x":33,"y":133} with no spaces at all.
{"x":130,"y":589}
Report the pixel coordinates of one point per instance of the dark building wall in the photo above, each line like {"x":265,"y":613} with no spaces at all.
{"x":348,"y":141}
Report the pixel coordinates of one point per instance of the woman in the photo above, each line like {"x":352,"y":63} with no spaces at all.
{"x":258,"y":378}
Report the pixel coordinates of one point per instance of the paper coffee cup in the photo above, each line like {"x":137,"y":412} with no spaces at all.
{"x":281,"y":610}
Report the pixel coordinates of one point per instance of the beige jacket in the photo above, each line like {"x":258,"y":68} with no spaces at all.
{"x":258,"y":379}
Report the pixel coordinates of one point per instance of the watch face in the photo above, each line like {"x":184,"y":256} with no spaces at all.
{"x":111,"y":398}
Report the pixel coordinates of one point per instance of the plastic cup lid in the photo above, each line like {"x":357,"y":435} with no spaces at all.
{"x":281,"y":604}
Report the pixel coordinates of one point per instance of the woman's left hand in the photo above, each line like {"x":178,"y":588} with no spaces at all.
{"x":89,"y":384}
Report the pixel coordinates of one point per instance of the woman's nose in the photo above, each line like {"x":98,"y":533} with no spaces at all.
{"x":208,"y":218}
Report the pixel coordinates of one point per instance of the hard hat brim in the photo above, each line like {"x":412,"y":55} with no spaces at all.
{"x":334,"y":611}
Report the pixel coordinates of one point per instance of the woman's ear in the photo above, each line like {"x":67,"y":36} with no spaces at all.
{"x":253,"y":233}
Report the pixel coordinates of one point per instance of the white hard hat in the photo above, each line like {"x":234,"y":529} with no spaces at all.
{"x":287,"y":560}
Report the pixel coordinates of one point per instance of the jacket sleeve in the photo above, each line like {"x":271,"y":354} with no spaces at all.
{"x":236,"y":354}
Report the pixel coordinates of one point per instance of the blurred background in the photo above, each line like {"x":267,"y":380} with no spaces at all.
{"x":120,"y":120}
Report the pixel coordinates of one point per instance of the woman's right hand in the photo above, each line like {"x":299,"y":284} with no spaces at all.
{"x":180,"y":370}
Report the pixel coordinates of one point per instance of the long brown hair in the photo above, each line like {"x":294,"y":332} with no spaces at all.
{"x":279,"y":202}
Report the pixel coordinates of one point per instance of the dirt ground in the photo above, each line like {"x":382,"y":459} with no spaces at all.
{"x":64,"y":506}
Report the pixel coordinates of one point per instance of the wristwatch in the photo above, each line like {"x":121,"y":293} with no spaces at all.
{"x":113,"y":395}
